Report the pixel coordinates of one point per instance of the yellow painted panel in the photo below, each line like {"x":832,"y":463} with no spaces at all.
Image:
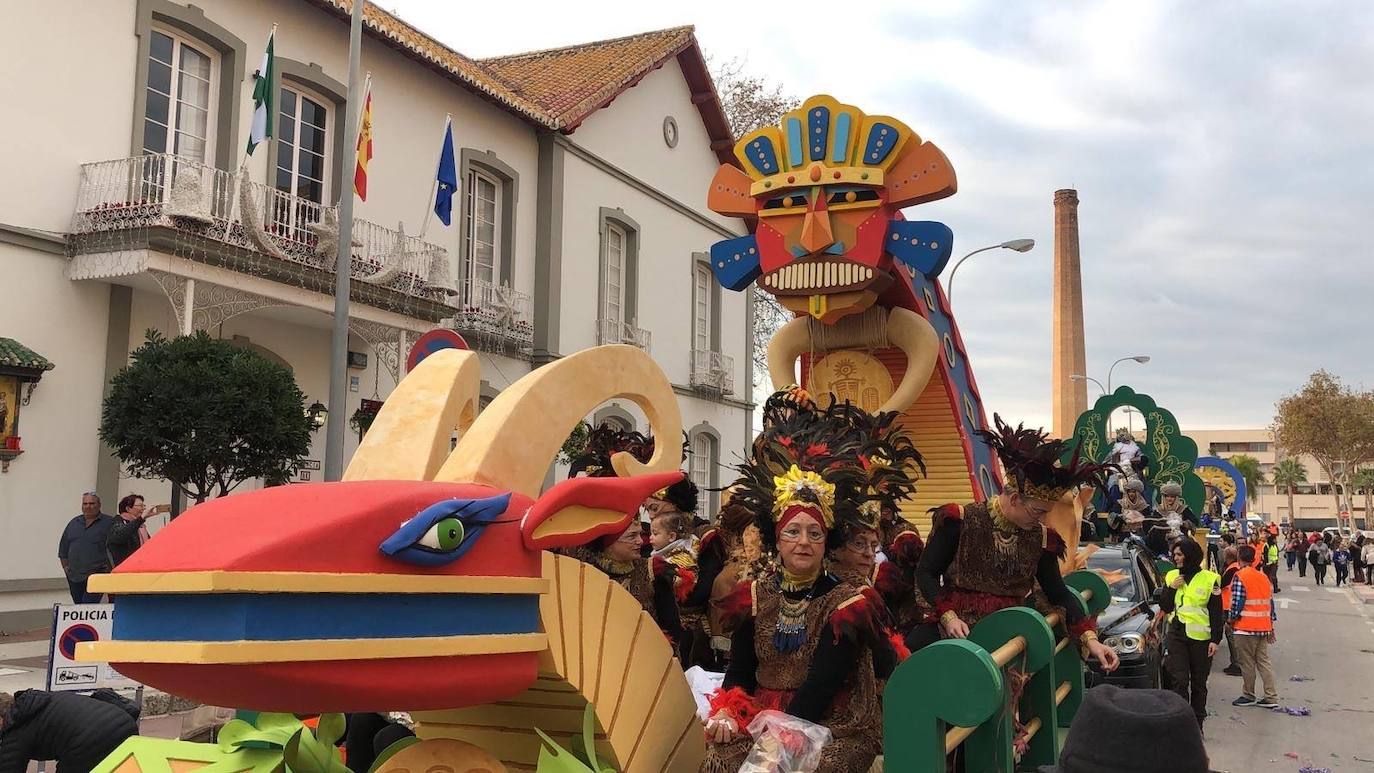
{"x":551,"y":619}
{"x":675,"y":710}
{"x":628,"y":619}
{"x":597,"y":627}
{"x":650,"y":669}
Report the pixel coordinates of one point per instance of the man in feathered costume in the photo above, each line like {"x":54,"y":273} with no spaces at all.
{"x":987,"y":556}
{"x":805,"y":641}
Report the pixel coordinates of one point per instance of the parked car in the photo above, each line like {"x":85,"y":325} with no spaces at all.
{"x":1131,"y":624}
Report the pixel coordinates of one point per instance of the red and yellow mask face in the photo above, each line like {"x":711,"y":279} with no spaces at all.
{"x":826,"y":185}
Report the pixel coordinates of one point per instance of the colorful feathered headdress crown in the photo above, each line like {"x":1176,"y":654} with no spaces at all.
{"x":1031,"y":459}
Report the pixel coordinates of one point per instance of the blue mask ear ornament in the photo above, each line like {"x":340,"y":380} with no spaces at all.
{"x":441,"y":533}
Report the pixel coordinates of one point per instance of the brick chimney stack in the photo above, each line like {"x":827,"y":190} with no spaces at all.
{"x":1070,"y":396}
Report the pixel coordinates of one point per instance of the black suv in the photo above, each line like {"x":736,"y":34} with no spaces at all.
{"x":1130,"y":624}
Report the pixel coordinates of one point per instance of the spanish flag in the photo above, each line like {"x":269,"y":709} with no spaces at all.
{"x":364,"y":144}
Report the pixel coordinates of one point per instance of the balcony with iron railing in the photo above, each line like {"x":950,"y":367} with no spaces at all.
{"x":613,"y":331}
{"x":498,"y":316}
{"x":713,"y":372}
{"x":209,"y":214}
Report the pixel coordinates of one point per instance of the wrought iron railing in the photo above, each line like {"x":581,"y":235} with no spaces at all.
{"x":713,"y":372}
{"x":496,"y":311}
{"x":164,"y":190}
{"x":613,"y":331}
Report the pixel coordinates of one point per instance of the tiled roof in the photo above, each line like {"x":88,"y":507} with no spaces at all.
{"x":558,"y":88}
{"x":16,"y":355}
{"x":572,"y":82}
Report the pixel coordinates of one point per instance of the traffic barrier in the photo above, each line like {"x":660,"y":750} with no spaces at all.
{"x":960,"y":692}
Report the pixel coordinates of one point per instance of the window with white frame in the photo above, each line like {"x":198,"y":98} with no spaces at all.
{"x":303,"y":124}
{"x":180,"y":92}
{"x":483,"y":246}
{"x":702,"y":312}
{"x":613,"y":274}
{"x":701,"y":467}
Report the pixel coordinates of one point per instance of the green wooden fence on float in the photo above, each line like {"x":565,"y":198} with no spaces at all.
{"x":955,"y":692}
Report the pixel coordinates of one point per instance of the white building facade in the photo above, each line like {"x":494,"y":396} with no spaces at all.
{"x":580,"y":220}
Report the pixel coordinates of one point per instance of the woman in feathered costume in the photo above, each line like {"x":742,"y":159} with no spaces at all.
{"x":987,"y":556}
{"x":805,"y":639}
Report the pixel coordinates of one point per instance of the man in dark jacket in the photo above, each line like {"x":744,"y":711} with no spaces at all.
{"x":76,"y":731}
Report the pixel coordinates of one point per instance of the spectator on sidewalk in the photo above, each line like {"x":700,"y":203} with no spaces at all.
{"x":1271,"y":559}
{"x":1320,"y":557}
{"x":1367,"y":555}
{"x":1357,"y":557}
{"x":82,"y":549}
{"x":1340,"y":558}
{"x":1230,"y":561}
{"x":75,"y":730}
{"x":1302,"y":554}
{"x":1252,"y":615}
{"x":1290,"y":549}
{"x":130,"y":531}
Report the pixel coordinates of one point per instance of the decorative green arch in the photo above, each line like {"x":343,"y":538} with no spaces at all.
{"x":1172,"y":454}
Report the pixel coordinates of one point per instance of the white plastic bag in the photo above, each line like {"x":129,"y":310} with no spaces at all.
{"x":703,"y":683}
{"x":784,"y":744}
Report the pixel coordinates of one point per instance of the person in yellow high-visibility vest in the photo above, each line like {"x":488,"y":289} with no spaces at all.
{"x":1271,"y":560}
{"x":1192,"y":597}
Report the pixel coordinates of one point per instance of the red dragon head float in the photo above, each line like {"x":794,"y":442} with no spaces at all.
{"x":416,"y":582}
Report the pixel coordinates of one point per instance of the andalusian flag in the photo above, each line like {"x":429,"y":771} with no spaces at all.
{"x":264,"y":99}
{"x":364,"y":144}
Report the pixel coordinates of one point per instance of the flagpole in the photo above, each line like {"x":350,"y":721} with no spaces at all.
{"x":338,"y":349}
{"x":434,"y":182}
{"x":243,"y":166}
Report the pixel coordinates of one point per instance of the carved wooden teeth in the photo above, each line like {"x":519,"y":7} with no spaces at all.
{"x":818,"y":276}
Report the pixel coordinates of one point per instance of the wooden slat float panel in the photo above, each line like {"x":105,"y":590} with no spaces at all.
{"x":603,"y":648}
{"x":935,"y":430}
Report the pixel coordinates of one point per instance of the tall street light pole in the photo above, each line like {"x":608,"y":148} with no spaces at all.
{"x":1140,"y":358}
{"x":1019,"y":245}
{"x":338,"y":348}
{"x":1081,"y":377}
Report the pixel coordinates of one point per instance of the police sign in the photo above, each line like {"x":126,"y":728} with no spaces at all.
{"x":72,"y":625}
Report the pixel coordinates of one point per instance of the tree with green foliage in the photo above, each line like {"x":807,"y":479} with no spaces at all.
{"x":1330,"y":422}
{"x":205,"y":414}
{"x":1364,"y":481}
{"x":1288,"y":474}
{"x":1249,"y":469}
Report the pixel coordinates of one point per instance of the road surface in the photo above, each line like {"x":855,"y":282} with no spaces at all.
{"x":1327,"y":635}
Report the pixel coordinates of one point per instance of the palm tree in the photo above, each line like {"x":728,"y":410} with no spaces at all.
{"x":1288,"y":474}
{"x":1249,"y":469}
{"x":1364,"y":479}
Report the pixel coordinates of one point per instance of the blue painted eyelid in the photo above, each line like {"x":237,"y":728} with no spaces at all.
{"x":472,"y":512}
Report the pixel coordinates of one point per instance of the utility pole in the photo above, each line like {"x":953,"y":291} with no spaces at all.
{"x":338,"y":349}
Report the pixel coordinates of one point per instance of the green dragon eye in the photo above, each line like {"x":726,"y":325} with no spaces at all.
{"x":444,"y":535}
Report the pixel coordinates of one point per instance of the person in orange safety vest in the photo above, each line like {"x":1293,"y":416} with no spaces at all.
{"x":1252,"y":618}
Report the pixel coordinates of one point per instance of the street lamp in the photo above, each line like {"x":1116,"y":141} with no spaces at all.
{"x":1140,"y":358}
{"x":1019,"y":245}
{"x":1081,"y":377}
{"x":317,"y":414}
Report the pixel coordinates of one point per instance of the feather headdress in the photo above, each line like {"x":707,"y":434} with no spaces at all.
{"x":1031,"y":460}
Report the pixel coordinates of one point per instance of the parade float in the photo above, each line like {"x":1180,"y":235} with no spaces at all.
{"x":424,"y":580}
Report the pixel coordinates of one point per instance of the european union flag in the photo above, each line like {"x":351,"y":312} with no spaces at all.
{"x":448,"y":178}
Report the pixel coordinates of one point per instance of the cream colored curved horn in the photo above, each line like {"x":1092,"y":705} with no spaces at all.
{"x":906,"y":330}
{"x":513,"y":442}
{"x":411,"y":435}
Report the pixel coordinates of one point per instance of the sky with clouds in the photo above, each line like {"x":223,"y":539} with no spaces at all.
{"x":1221,"y":153}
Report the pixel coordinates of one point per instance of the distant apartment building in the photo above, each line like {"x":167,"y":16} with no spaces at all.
{"x":1313,"y":501}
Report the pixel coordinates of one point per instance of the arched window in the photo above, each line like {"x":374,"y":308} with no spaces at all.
{"x":703,"y":467}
